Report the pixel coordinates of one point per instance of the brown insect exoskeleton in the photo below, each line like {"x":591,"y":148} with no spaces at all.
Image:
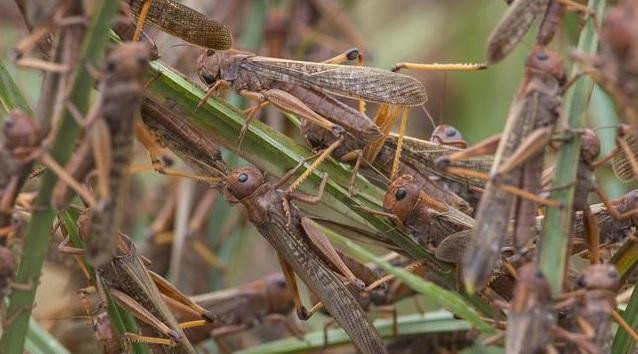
{"x":615,"y":69}
{"x":519,"y":18}
{"x":96,"y":308}
{"x":266,"y":300}
{"x":304,"y":89}
{"x":19,"y":141}
{"x":423,"y":152}
{"x":516,"y":173}
{"x":181,"y":21}
{"x":592,"y":311}
{"x":427,"y":219}
{"x":144,"y":294}
{"x":530,"y":315}
{"x":303,"y":250}
{"x":111,"y":130}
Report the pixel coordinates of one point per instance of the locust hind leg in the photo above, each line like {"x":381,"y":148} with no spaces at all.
{"x":141,"y":18}
{"x":168,"y":289}
{"x":327,"y":250}
{"x":142,"y":314}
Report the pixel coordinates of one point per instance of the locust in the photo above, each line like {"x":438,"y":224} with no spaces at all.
{"x":615,"y":68}
{"x":303,"y":250}
{"x":181,"y":21}
{"x":303,"y":88}
{"x":96,"y":309}
{"x":593,"y":310}
{"x":20,"y":141}
{"x":143,"y":293}
{"x":530,"y":314}
{"x":423,"y":151}
{"x":518,"y":19}
{"x":111,"y":134}
{"x":265,"y":300}
{"x":516,"y":172}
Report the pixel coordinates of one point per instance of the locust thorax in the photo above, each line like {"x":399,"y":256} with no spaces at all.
{"x":590,"y":148}
{"x":600,"y":277}
{"x":20,"y":131}
{"x":448,"y":135}
{"x":545,"y":64}
{"x":128,"y":61}
{"x":243,"y":181}
{"x":402,"y":196}
{"x":278,"y":294}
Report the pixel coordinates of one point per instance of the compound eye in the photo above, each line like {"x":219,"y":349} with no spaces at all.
{"x":400,"y":193}
{"x":242,"y":178}
{"x":111,"y":65}
{"x":208,"y":78}
{"x":542,"y":56}
{"x":451,"y":132}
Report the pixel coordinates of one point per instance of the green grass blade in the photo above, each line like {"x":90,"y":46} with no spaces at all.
{"x":10,"y":95}
{"x":41,"y":341}
{"x":415,"y":324}
{"x":449,"y":300}
{"x":553,"y":248}
{"x":623,"y":342}
{"x":36,"y":242}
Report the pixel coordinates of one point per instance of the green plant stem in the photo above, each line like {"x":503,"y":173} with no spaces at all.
{"x":432,"y":323}
{"x":37,"y":239}
{"x":558,"y":221}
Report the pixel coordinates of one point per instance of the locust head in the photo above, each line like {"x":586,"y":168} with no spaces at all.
{"x":401,"y":197}
{"x":590,"y":148}
{"x":128,"y":61}
{"x":242,"y":182}
{"x":546,"y":64}
{"x":279,"y":296}
{"x":448,"y":135}
{"x":600,"y":276}
{"x":20,"y":131}
{"x":209,"y":67}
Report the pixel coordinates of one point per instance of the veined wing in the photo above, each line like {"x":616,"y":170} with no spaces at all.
{"x":513,"y":26}
{"x":358,"y":82}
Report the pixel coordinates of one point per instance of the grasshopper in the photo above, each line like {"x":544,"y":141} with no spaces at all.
{"x":593,"y":310}
{"x":284,"y":227}
{"x":302,"y":88}
{"x":530,"y":314}
{"x":516,"y":172}
{"x":95,"y":308}
{"x":112,"y":142}
{"x":615,"y":69}
{"x":265,"y":300}
{"x":519,"y":18}
{"x":181,"y":21}
{"x":351,"y":149}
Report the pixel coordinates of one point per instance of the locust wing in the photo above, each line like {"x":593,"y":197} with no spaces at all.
{"x":358,"y":82}
{"x":513,"y":26}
